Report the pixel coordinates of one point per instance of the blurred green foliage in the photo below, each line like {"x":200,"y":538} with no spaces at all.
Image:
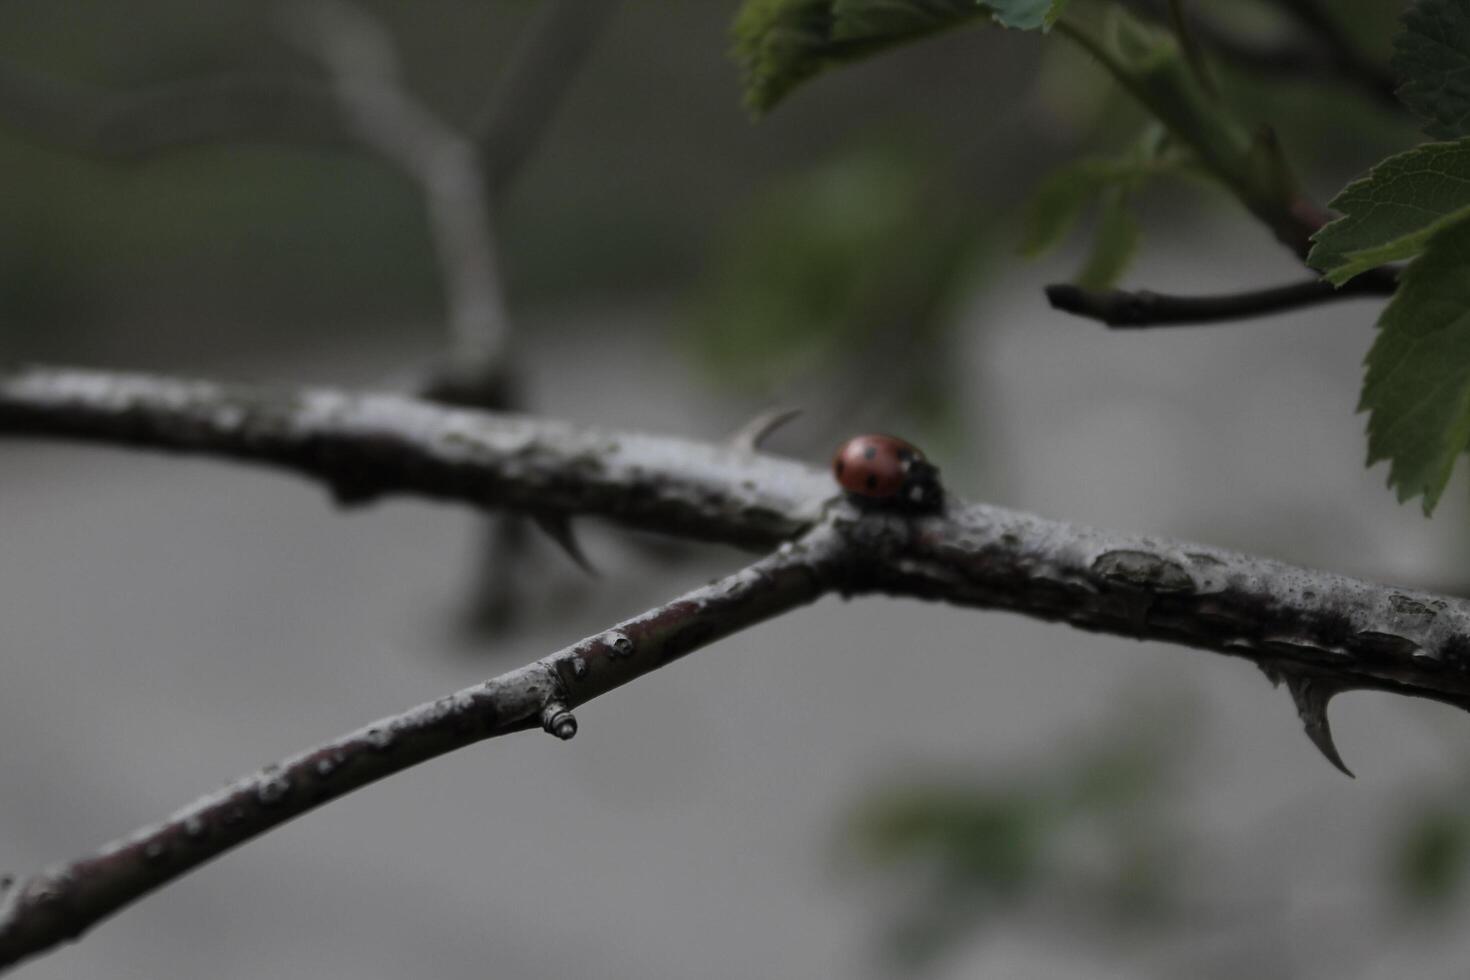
{"x":1432,"y":855}
{"x":823,"y":260}
{"x":1088,"y":832}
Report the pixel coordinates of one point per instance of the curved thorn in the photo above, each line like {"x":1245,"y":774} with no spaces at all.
{"x":749,"y":436}
{"x":1312,"y":696}
{"x":558,"y":528}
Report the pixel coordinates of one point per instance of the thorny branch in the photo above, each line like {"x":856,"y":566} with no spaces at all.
{"x":1321,"y":633}
{"x":1145,"y":308}
{"x":362,"y":446}
{"x":61,"y":902}
{"x":1320,"y":49}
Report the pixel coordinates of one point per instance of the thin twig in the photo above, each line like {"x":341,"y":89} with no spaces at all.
{"x":1145,"y":308}
{"x":62,"y":902}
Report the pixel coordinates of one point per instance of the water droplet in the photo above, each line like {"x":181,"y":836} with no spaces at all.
{"x":579,"y":667}
{"x":154,"y":850}
{"x":380,"y":738}
{"x":325,"y":765}
{"x":194,"y":827}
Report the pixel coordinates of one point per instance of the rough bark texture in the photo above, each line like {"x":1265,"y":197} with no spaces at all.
{"x":364,"y":446}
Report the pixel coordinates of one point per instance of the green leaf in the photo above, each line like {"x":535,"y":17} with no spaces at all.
{"x":1432,"y":56}
{"x":1027,"y":15}
{"x":1417,"y":387}
{"x":1113,"y":243}
{"x":1390,"y":214}
{"x":781,"y":43}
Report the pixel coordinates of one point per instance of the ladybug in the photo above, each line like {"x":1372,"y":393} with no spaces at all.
{"x":878,"y":470}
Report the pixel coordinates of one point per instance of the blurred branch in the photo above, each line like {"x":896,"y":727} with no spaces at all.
{"x":1343,"y":54}
{"x":446,"y":166}
{"x":1145,"y":308}
{"x":1322,"y":50}
{"x":546,"y":60}
{"x":60,"y":903}
{"x":154,"y":119}
{"x":1339,"y":633}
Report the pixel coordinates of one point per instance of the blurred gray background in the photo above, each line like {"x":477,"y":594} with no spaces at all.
{"x":863,"y":789}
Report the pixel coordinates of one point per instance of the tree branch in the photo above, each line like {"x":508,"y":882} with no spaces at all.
{"x":364,"y":446}
{"x":1319,"y":632}
{"x":1145,"y":308}
{"x":1356,"y":633}
{"x":60,"y":903}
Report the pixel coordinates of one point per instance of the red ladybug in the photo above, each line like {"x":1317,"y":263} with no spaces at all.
{"x":887,"y":471}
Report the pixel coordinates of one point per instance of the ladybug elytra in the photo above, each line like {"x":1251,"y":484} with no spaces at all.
{"x":887,"y":471}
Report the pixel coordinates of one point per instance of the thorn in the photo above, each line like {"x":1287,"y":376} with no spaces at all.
{"x":1312,"y":695}
{"x":748,"y":437}
{"x":557,"y":720}
{"x":558,"y":527}
{"x":1272,"y":672}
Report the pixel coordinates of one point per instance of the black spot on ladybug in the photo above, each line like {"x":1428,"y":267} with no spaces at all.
{"x":871,"y":482}
{"x":870,"y":453}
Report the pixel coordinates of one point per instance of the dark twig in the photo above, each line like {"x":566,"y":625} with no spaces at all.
{"x":1145,"y":308}
{"x":1343,"y":54}
{"x":1317,"y":55}
{"x":60,"y":903}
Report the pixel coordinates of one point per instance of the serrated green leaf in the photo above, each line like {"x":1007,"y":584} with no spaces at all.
{"x":1432,"y":56}
{"x":781,"y":43}
{"x":1391,"y":213}
{"x":1026,"y":15}
{"x":1114,"y":242}
{"x":1417,"y":386}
